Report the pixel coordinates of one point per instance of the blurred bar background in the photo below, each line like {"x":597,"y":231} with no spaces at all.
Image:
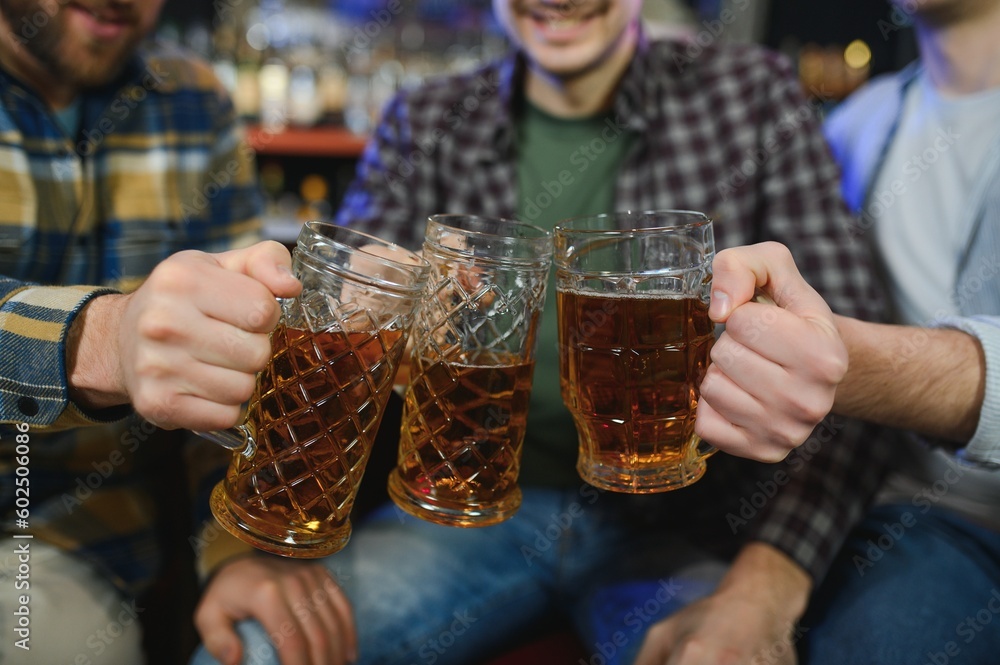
{"x":310,"y":77}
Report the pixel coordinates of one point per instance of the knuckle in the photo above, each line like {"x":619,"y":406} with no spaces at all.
{"x":724,"y":352}
{"x":809,"y":408}
{"x":295,"y":642}
{"x":742,"y":324}
{"x":145,"y":368}
{"x":268,"y":591}
{"x":271,"y":246}
{"x":711,"y":389}
{"x":778,"y":251}
{"x":661,"y":630}
{"x":694,"y":649}
{"x":701,"y":427}
{"x":235,"y":342}
{"x":185,"y":255}
{"x":707,"y":389}
{"x":140,"y":402}
{"x":163,"y":410}
{"x":814,"y":413}
{"x":775,"y":454}
{"x":322,"y":642}
{"x":175,"y":273}
{"x":243,"y":390}
{"x":264,"y":313}
{"x":259,"y":352}
{"x":157,"y":325}
{"x":725,"y":260}
{"x":786,"y":439}
{"x":799,"y":409}
{"x":153,"y":407}
{"x":832,"y":366}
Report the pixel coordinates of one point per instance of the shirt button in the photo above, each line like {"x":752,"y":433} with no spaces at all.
{"x":27,"y":406}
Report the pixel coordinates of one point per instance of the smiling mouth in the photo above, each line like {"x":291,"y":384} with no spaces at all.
{"x":561,"y":16}
{"x":560,"y":22}
{"x":108,"y":18}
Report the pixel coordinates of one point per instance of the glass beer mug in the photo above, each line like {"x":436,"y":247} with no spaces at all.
{"x":309,"y":427}
{"x":466,"y":402}
{"x":634,"y":339}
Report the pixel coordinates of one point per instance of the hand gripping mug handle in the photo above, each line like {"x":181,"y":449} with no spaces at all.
{"x":704,"y":449}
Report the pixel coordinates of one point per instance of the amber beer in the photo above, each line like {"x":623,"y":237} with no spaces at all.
{"x":314,"y":414}
{"x":300,"y":451}
{"x":630,"y":367}
{"x":463,"y":428}
{"x":466,"y":400}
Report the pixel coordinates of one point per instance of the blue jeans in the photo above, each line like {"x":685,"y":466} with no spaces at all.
{"x":432,"y":595}
{"x":909,"y":588}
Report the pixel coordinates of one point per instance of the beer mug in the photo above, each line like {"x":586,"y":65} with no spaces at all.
{"x":632,"y":293}
{"x":466,"y":402}
{"x":309,"y":427}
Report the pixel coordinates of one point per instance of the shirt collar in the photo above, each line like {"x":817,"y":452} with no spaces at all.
{"x":510,"y":74}
{"x":632,"y":104}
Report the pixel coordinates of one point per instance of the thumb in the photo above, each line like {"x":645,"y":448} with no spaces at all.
{"x":740,"y":273}
{"x":267,"y":262}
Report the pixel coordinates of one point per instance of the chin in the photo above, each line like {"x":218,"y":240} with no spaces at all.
{"x":564,"y":60}
{"x":90,"y":69}
{"x":942,"y":13}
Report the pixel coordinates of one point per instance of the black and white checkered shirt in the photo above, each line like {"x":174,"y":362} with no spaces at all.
{"x":724,"y":130}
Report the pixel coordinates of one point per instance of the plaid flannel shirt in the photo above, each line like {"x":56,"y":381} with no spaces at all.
{"x":158,"y":166}
{"x":728,"y":133}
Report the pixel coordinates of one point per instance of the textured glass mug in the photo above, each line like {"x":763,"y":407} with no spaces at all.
{"x":303,"y":446}
{"x":466,"y":402}
{"x":632,"y":293}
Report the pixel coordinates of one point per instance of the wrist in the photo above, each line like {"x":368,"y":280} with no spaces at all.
{"x":93,"y":361}
{"x":769,"y":576}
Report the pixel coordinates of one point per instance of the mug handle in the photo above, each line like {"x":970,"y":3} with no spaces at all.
{"x":704,"y":450}
{"x":239,"y":439}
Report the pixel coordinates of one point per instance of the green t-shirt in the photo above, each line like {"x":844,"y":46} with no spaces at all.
{"x":565,"y":168}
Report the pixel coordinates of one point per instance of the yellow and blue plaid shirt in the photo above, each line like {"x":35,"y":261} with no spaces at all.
{"x":157,"y":166}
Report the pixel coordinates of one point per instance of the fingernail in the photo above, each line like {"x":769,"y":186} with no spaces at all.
{"x":719,"y":306}
{"x":352,"y":656}
{"x":285,"y":270}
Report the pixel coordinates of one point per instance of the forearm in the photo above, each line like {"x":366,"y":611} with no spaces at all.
{"x":924,"y":379}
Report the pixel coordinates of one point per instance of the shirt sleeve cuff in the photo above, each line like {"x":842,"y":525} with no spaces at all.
{"x":984,"y":447}
{"x":34,"y":388}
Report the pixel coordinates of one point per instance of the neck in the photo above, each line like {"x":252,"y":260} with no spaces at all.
{"x":962,"y":57}
{"x":19,"y":61}
{"x":588,"y":92}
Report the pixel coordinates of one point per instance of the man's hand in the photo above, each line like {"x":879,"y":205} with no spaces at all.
{"x":749,"y":620}
{"x":297,"y":603}
{"x":776,"y":368}
{"x":186,"y":346}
